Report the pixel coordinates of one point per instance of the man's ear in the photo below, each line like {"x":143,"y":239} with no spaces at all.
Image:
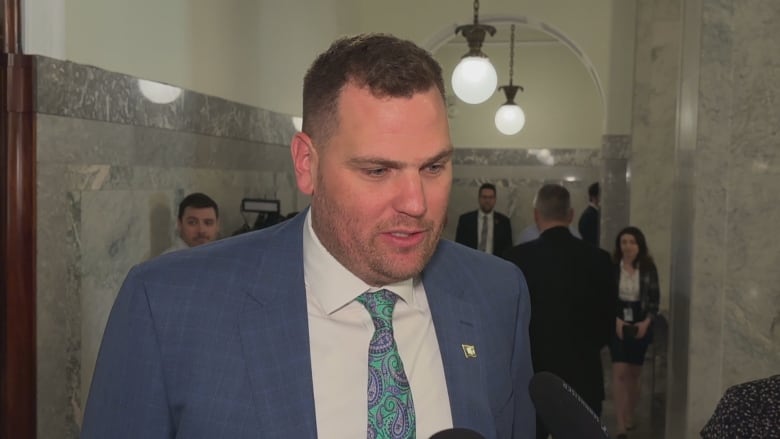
{"x":570,"y":216}
{"x":304,"y":157}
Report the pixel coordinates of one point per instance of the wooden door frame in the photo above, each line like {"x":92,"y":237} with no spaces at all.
{"x":17,"y":232}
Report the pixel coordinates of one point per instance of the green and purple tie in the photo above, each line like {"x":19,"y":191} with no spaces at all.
{"x":390,"y":406}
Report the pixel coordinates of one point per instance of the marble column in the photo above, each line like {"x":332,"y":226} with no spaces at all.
{"x":657,"y":60}
{"x":615,"y":188}
{"x":725,"y":302}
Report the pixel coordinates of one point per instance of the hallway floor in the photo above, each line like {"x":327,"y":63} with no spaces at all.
{"x":651,"y":412}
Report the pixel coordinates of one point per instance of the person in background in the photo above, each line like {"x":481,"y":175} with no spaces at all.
{"x":352,"y":319}
{"x":637,"y":306}
{"x":485,"y":229}
{"x":532,"y":232}
{"x":197,"y":222}
{"x":572,"y":297}
{"x":590,"y":220}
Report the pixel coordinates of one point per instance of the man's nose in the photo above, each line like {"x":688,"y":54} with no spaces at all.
{"x":411,"y":195}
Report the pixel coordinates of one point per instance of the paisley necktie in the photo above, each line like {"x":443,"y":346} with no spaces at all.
{"x":390,"y":407}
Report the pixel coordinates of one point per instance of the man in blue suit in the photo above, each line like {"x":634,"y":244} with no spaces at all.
{"x":352,"y":319}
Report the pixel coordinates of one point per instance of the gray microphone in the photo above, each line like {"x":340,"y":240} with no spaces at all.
{"x":562,"y":410}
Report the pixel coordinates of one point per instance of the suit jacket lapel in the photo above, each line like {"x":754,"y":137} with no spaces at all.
{"x":275,"y":339}
{"x":457,"y":331}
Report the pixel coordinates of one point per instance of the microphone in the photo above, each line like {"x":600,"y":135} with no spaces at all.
{"x":562,"y":410}
{"x":457,"y":433}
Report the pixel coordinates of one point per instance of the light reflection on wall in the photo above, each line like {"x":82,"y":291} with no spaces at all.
{"x":297,"y":123}
{"x":157,"y":92}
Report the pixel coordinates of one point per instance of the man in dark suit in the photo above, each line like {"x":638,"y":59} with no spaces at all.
{"x":352,"y":319}
{"x":573,"y":293}
{"x":590,"y":220}
{"x":485,"y":229}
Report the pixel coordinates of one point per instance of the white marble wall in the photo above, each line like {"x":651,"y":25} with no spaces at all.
{"x":653,"y":130}
{"x":615,"y":188}
{"x":726,"y":316}
{"x":112,"y":169}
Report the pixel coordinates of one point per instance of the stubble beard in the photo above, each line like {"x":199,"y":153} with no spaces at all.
{"x":366,"y":260}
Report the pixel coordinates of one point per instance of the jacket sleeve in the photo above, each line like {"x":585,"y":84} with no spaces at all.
{"x":652,"y":290}
{"x":616,"y":280}
{"x":608,"y":297}
{"x":128,"y":398}
{"x":524,"y":423}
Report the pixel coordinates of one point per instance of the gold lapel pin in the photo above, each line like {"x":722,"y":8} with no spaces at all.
{"x":469,"y":350}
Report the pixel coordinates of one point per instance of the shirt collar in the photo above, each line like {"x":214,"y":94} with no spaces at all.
{"x":331,"y":284}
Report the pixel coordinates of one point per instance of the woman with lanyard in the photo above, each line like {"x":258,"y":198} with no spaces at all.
{"x":637,"y":306}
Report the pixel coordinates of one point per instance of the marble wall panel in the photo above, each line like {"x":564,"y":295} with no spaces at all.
{"x":115,"y":230}
{"x":58,"y":309}
{"x":734,"y":313}
{"x":85,"y":92}
{"x":112,"y":168}
{"x":615,"y":187}
{"x":653,"y":131}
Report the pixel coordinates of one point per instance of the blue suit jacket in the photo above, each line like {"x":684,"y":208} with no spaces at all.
{"x":213,"y":342}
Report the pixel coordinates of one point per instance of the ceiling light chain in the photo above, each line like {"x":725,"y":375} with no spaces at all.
{"x":510,"y":118}
{"x":512,"y":56}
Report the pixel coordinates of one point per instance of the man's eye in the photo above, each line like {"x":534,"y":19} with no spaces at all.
{"x":436,"y":168}
{"x":378,"y":172}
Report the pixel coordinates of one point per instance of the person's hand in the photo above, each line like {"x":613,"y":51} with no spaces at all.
{"x":619,"y":324}
{"x":642,"y":326}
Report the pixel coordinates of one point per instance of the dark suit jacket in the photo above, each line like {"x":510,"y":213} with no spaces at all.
{"x":572,"y":313}
{"x":589,"y":225}
{"x":468,"y":235}
{"x":214,"y":342}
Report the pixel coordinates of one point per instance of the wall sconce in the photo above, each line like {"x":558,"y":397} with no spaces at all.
{"x":474,"y":79}
{"x":510,"y":118}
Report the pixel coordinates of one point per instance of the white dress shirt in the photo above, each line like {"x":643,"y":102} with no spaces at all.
{"x":482,"y":216}
{"x":178,"y":244}
{"x":340,"y":330}
{"x":629,"y":285}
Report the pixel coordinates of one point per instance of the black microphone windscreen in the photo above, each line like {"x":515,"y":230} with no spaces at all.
{"x":562,"y":410}
{"x":457,"y":433}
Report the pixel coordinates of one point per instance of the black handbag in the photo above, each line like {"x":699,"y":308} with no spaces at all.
{"x":630,"y":332}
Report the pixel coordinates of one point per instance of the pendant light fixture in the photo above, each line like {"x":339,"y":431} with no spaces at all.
{"x":510,"y":118}
{"x":474,"y":79}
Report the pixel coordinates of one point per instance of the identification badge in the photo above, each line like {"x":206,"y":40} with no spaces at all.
{"x":628,"y":314}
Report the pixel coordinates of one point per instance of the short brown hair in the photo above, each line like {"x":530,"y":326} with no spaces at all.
{"x":553,"y":202}
{"x":197,"y":200}
{"x":387,"y":65}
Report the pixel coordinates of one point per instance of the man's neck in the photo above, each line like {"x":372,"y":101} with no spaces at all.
{"x":546,"y":225}
{"x":482,"y":212}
